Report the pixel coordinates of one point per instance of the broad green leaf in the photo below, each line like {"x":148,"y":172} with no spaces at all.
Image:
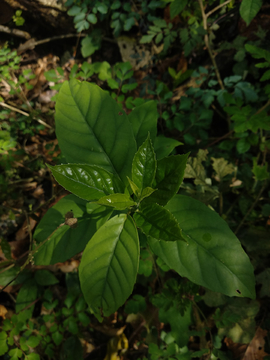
{"x":249,"y":9}
{"x":164,"y":146}
{"x":109,"y":265}
{"x":8,"y":275}
{"x":45,"y":278}
{"x":27,"y":295}
{"x":118,"y":201}
{"x":144,"y":165}
{"x":56,"y":216}
{"x":212,"y":256}
{"x":91,"y":128}
{"x":177,"y":6}
{"x":156,"y":221}
{"x":89,"y":182}
{"x":169,"y":176}
{"x":67,"y":242}
{"x":144,"y":120}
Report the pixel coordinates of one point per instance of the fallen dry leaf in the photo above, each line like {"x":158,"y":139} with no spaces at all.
{"x":255,"y":350}
{"x":3,"y":311}
{"x":238,"y":350}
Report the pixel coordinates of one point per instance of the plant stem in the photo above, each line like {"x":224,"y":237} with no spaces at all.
{"x":25,"y":114}
{"x":217,"y":7}
{"x":263,"y":107}
{"x":251,"y":208}
{"x":220,"y":138}
{"x":207,"y":44}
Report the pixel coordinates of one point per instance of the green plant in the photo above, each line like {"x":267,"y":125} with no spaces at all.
{"x":122,"y":186}
{"x":63,"y":321}
{"x":18,"y":19}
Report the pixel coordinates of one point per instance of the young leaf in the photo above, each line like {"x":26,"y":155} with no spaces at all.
{"x":146,"y":192}
{"x":213,"y":256}
{"x":144,"y":120}
{"x":83,"y":112}
{"x":144,"y":165}
{"x":249,"y":9}
{"x":154,"y":220}
{"x":169,"y":176}
{"x":118,"y":201}
{"x":109,"y":265}
{"x":89,"y":182}
{"x":134,"y":187}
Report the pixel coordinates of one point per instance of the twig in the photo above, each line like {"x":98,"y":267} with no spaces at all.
{"x":217,"y":7}
{"x":25,"y":114}
{"x":251,"y":208}
{"x":15,"y":32}
{"x":263,"y":107}
{"x":207,"y":44}
{"x":220,"y":138}
{"x":30,"y":44}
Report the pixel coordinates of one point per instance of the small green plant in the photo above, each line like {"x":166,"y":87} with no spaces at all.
{"x":122,"y":188}
{"x":18,"y":19}
{"x":62,"y":321}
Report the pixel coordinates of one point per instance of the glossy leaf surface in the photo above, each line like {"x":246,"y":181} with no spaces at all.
{"x":144,"y":165}
{"x":89,"y":182}
{"x":144,"y":120}
{"x":109,"y":265}
{"x":169,"y":176}
{"x":118,"y":201}
{"x":67,"y":242}
{"x":91,"y":133}
{"x":156,"y":221}
{"x":212,"y":256}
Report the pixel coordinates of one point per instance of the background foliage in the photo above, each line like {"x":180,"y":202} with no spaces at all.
{"x":205,"y":65}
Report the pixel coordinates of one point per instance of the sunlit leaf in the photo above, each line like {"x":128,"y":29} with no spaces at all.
{"x":109,"y":265}
{"x":212,"y":256}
